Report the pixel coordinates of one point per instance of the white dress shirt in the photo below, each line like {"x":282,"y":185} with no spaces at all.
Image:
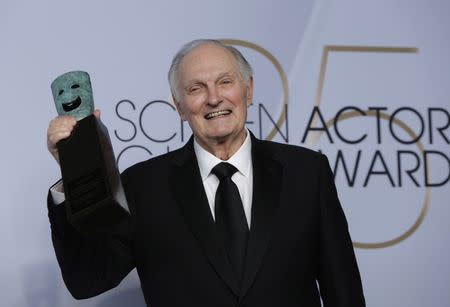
{"x":57,"y":191}
{"x":243,"y":178}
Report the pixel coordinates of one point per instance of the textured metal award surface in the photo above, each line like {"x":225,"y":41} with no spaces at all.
{"x":94,"y":194}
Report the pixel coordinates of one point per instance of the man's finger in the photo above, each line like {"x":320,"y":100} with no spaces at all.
{"x":97,"y":113}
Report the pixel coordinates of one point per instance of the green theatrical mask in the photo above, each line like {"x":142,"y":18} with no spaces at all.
{"x":72,"y":93}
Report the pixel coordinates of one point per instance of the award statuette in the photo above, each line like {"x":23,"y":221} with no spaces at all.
{"x":94,"y":195}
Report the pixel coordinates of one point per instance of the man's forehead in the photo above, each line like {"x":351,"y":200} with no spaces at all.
{"x":205,"y":59}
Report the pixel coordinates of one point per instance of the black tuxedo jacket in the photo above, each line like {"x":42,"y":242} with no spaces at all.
{"x":298,"y":236}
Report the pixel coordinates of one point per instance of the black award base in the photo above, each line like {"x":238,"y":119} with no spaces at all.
{"x":95,"y":199}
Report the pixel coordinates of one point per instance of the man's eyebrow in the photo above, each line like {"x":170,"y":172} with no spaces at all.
{"x":226,"y":74}
{"x":193,"y":81}
{"x":198,"y":81}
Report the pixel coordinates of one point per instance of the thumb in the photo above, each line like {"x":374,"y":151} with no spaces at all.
{"x":97,"y":113}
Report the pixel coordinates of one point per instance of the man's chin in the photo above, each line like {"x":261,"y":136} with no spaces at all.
{"x":220,"y":138}
{"x":228,"y":136}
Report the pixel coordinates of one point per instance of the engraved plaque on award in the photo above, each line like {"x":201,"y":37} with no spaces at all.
{"x":94,"y":194}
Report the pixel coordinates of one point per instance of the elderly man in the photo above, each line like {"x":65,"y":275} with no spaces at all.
{"x":226,"y":220}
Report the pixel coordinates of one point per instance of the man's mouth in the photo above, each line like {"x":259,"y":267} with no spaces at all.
{"x":217,"y":114}
{"x":72,"y":105}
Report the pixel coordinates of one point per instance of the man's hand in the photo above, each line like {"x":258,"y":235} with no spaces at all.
{"x":60,"y":128}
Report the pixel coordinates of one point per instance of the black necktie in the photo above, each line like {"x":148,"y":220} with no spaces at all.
{"x":230,"y":217}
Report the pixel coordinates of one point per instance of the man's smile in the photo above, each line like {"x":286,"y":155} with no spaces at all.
{"x":72,"y":105}
{"x":217,"y":114}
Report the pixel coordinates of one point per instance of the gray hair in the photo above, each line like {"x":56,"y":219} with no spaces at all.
{"x":244,"y":67}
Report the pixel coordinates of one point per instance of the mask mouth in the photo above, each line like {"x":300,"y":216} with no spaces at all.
{"x":72,"y":105}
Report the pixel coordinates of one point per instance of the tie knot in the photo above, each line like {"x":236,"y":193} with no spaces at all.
{"x":224,"y":170}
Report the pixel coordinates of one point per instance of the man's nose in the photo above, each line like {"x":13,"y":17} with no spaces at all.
{"x":214,"y":97}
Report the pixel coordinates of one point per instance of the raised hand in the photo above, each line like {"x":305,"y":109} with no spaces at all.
{"x":60,"y":128}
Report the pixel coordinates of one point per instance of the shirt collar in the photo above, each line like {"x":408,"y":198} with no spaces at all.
{"x":241,"y":158}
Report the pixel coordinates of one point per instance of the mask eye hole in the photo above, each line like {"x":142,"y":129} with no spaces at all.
{"x":75,"y":86}
{"x":60,"y":92}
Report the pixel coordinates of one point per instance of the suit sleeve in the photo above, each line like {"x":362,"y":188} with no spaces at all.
{"x":89,"y":264}
{"x":339,"y":278}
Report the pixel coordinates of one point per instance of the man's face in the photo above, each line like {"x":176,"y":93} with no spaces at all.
{"x":213,"y":97}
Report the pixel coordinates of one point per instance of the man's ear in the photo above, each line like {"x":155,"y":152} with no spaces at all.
{"x":179,"y":108}
{"x":249,"y":97}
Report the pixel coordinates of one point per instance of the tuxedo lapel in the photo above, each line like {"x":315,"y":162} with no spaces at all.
{"x":267,"y":175}
{"x":187,"y":187}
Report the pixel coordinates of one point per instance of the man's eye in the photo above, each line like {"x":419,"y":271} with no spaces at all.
{"x":194,"y":89}
{"x":226,"y":81}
